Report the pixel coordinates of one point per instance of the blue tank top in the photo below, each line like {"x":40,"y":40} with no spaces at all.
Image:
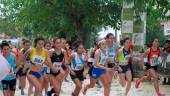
{"x":78,"y":62}
{"x":111,"y":52}
{"x":102,"y":58}
{"x":11,"y":62}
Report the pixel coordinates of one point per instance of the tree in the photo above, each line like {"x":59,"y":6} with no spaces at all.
{"x":69,"y":18}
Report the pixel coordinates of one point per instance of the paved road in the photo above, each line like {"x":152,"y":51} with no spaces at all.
{"x":146,"y":89}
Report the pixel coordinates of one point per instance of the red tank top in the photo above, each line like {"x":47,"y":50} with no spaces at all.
{"x":153,"y":56}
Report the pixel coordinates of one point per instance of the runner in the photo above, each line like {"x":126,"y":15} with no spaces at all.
{"x":47,"y":69}
{"x":112,"y":48}
{"x":99,"y":70}
{"x":166,"y":60}
{"x":153,"y":60}
{"x":91,"y":61}
{"x":57,"y":58}
{"x":39,"y":56}
{"x":65,"y":48}
{"x":9,"y":82}
{"x":79,"y":61}
{"x":21,"y":75}
{"x":125,"y":74}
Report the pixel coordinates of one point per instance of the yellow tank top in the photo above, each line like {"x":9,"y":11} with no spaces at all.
{"x":38,"y":59}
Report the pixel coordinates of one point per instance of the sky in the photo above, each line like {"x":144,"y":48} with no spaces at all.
{"x":104,"y":32}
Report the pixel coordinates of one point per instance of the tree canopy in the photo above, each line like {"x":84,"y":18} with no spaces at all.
{"x":69,"y":18}
{"x":73,"y":19}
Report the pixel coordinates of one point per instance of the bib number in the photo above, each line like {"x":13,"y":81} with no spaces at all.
{"x":111,"y":59}
{"x":79,"y":66}
{"x":57,"y":64}
{"x":39,"y":60}
{"x":154,"y":61}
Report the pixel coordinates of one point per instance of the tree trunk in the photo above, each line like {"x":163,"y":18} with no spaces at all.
{"x":79,"y":28}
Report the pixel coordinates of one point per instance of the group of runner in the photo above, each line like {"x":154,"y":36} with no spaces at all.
{"x":48,"y":63}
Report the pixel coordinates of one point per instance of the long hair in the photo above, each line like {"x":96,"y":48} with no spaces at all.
{"x":38,"y":39}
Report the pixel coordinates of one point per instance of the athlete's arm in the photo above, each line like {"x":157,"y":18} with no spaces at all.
{"x":16,"y":60}
{"x":19,"y":62}
{"x":119,"y":52}
{"x":142,"y":57}
{"x":86,"y":60}
{"x":66,"y":58}
{"x":69,"y":67}
{"x":116,"y":54}
{"x":27,"y":54}
{"x":21,"y":58}
{"x":117,"y":45}
{"x":86,"y":63}
{"x":48,"y":59}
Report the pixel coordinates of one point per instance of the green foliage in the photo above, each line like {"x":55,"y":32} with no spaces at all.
{"x":156,"y":13}
{"x":156,"y":32}
{"x":65,"y":18}
{"x":73,"y":19}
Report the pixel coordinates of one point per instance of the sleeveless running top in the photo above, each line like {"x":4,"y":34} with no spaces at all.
{"x":11,"y":62}
{"x":111,"y":52}
{"x":102,"y":58}
{"x":154,"y":57}
{"x":38,"y":59}
{"x":124,"y":56}
{"x":78,"y":62}
{"x":57,"y":59}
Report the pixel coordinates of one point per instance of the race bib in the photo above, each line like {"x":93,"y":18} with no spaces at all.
{"x":91,"y":60}
{"x":154,"y":61}
{"x":111,"y":58}
{"x":39,"y":60}
{"x":79,"y":66}
{"x":57,"y":64}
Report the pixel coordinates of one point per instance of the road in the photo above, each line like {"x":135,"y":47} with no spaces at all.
{"x":146,"y":89}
